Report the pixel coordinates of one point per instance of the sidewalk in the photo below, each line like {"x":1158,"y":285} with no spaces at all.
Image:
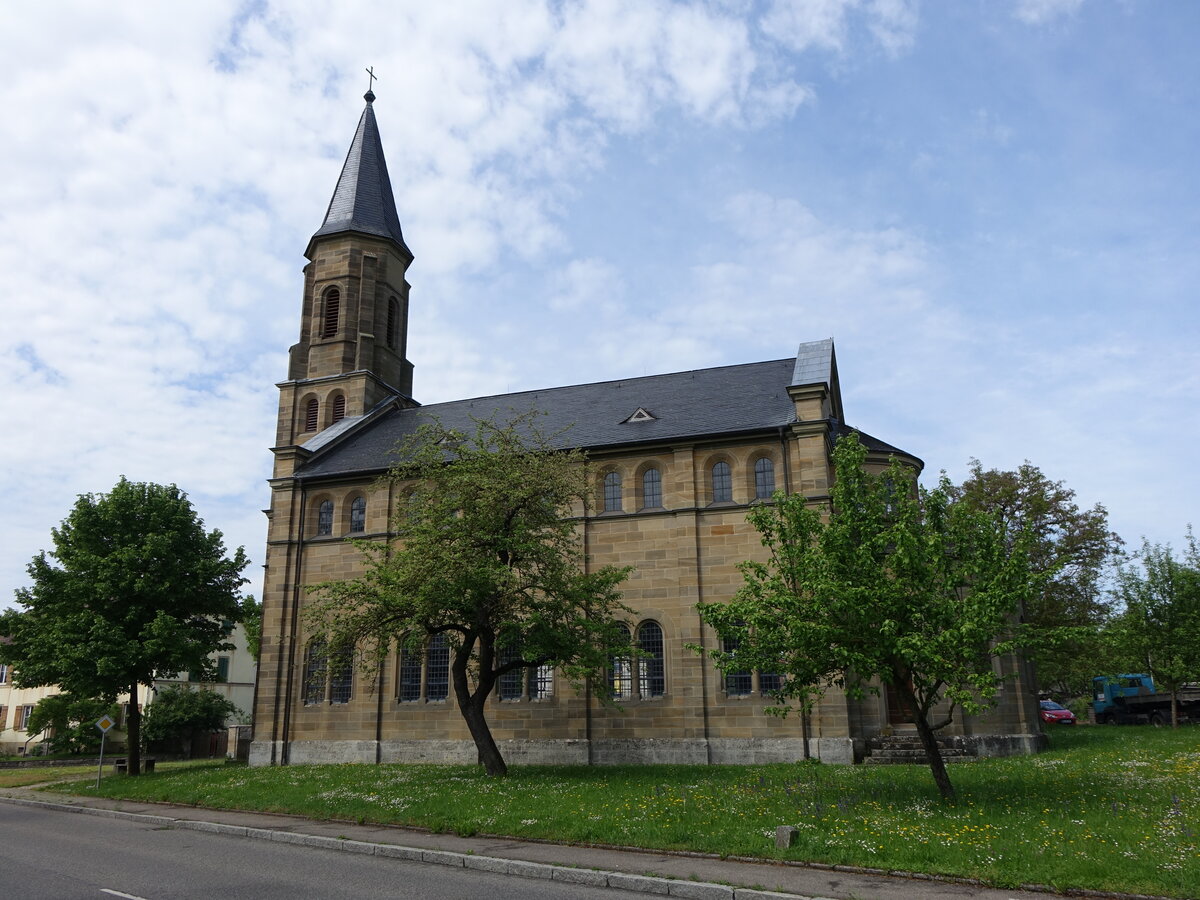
{"x":671,"y":874}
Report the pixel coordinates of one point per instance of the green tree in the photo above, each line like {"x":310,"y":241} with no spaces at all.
{"x":897,"y":584}
{"x":135,"y":587}
{"x":1075,"y":550}
{"x":1159,"y":630}
{"x":71,"y":721}
{"x":252,"y":625}
{"x":490,"y":558}
{"x":179,"y":713}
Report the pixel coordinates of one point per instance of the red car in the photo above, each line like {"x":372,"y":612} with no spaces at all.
{"x":1055,"y":714}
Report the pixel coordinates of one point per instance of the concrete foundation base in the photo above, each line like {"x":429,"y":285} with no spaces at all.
{"x":1003,"y":744}
{"x":645,"y":751}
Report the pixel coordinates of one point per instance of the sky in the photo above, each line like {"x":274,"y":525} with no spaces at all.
{"x":992,"y":206}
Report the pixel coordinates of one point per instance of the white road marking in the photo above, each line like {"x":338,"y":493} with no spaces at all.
{"x":121,"y":894}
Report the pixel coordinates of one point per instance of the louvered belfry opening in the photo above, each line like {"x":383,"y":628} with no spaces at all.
{"x":339,"y":407}
{"x":333,"y":302}
{"x":393,"y":313}
{"x":310,"y":415}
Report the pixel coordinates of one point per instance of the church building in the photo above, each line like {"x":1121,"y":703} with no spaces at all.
{"x":678,"y":459}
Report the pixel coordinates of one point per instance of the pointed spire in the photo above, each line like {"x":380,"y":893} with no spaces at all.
{"x":363,"y":200}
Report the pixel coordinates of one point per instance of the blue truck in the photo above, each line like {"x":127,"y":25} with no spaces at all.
{"x":1132,"y":700}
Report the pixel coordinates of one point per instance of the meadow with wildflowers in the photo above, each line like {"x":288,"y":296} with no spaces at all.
{"x":1105,"y":808}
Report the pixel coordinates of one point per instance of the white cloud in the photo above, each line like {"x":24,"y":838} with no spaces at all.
{"x":173,"y":162}
{"x":1039,"y":12}
{"x":590,"y":285}
{"x":812,"y":23}
{"x":827,"y":24}
{"x":893,"y":24}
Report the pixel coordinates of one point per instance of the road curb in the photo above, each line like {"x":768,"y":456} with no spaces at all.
{"x":645,"y":884}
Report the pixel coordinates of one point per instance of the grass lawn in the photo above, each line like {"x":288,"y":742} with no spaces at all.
{"x":11,"y":778}
{"x":1105,"y":808}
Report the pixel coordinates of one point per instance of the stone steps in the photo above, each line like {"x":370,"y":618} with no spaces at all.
{"x":907,"y":750}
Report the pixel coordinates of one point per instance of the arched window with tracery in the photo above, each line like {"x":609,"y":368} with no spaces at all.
{"x":612,"y":492}
{"x":339,"y":407}
{"x":410,"y":675}
{"x":722,"y":483}
{"x":738,"y":682}
{"x":652,"y":672}
{"x":651,"y":489}
{"x":437,"y":668}
{"x":325,"y":517}
{"x":315,"y":660}
{"x":764,"y":478}
{"x":333,"y":304}
{"x":312,"y":410}
{"x":341,"y":677}
{"x":358,"y":515}
{"x":620,"y":676}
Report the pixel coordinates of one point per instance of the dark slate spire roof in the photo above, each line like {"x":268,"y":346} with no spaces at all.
{"x":363,"y":200}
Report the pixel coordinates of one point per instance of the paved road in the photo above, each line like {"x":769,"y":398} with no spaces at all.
{"x":48,"y":855}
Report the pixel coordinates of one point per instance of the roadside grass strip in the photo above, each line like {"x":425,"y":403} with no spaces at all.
{"x":1113,"y":809}
{"x":11,"y":778}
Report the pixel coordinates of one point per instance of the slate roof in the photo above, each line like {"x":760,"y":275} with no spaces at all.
{"x":363,"y":199}
{"x":696,"y":405}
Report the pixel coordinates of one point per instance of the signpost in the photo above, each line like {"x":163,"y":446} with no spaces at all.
{"x":104,"y":723}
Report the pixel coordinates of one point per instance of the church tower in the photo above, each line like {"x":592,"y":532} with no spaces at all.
{"x":354,"y":314}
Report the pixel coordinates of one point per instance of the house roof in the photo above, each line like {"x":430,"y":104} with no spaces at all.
{"x":363,"y":201}
{"x":696,"y":405}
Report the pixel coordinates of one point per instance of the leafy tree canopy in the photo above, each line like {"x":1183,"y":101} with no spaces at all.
{"x":178,"y":713}
{"x":1074,"y":548}
{"x":134,"y":587}
{"x":488,"y":556}
{"x":1158,"y":631}
{"x":1072,"y":545}
{"x":897,"y":584}
{"x":72,"y":721}
{"x":252,"y":624}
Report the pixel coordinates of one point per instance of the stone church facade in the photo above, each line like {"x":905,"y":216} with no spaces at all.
{"x":678,"y":459}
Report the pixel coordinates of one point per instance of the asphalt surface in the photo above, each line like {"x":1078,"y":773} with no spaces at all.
{"x":522,"y":863}
{"x":48,"y":855}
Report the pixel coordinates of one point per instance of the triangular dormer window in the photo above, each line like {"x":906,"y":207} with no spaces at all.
{"x":640,"y":415}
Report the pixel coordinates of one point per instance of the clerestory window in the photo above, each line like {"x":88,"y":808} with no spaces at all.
{"x":612,"y":492}
{"x":764,"y":479}
{"x":722,"y":483}
{"x":358,"y":515}
{"x":325,"y":518}
{"x":651,"y":489}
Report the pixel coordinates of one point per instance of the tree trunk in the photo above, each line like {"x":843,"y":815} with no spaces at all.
{"x":1175,"y":708}
{"x":804,"y":730}
{"x":133,"y":734}
{"x":933,"y":753}
{"x":471,"y":708}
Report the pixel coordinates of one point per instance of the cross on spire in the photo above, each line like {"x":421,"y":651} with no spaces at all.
{"x":373,"y":79}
